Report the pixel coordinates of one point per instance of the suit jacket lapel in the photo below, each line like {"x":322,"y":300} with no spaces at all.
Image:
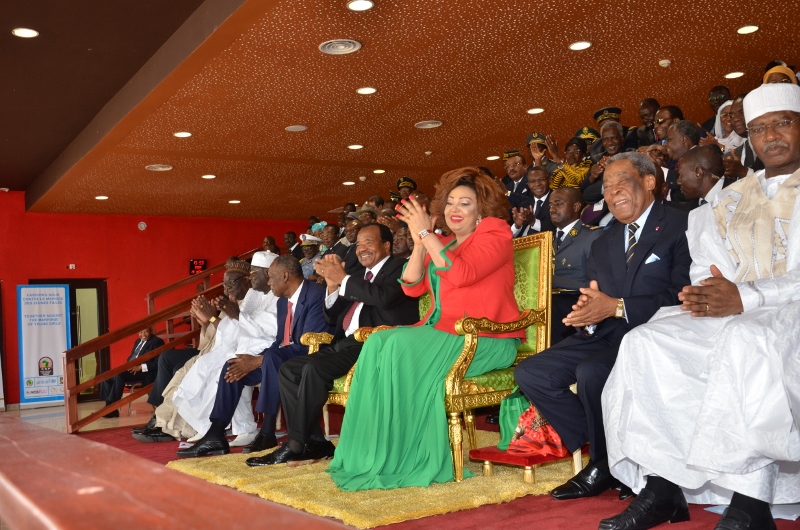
{"x":650,"y":234}
{"x":301,"y":301}
{"x":616,"y":253}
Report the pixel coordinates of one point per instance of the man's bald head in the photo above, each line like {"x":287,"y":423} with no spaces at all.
{"x":700,"y":169}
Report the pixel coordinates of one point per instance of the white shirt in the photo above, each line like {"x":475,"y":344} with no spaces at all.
{"x":536,"y":225}
{"x":331,"y":298}
{"x":640,"y":222}
{"x":258,"y":322}
{"x":712,"y":193}
{"x":566,"y":229}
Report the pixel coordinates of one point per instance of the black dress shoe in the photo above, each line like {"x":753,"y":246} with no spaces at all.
{"x":645,"y":511}
{"x":112,"y":414}
{"x":206,"y":447}
{"x":149,"y":425}
{"x":280,"y":456}
{"x":261,"y":443}
{"x":153,"y":435}
{"x":625,"y":493}
{"x":736,"y":519}
{"x":318,"y":450}
{"x":591,"y":481}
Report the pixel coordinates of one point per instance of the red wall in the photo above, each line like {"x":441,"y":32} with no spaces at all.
{"x":111,"y":247}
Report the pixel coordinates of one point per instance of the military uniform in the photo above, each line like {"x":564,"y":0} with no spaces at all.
{"x":569,"y":275}
{"x":630,"y":137}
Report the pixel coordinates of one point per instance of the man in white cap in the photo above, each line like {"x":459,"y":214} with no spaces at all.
{"x":703,"y":403}
{"x":256,"y":327}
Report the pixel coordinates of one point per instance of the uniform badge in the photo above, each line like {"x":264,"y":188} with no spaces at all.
{"x":564,"y":261}
{"x":573,"y":232}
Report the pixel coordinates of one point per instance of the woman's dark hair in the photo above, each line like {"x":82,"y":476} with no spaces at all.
{"x":580,"y":142}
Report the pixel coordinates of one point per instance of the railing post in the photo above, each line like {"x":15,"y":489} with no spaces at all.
{"x":70,"y":401}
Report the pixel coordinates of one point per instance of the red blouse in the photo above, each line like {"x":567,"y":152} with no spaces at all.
{"x":478,"y":280}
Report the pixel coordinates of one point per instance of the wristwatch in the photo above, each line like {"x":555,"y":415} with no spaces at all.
{"x":423,"y":233}
{"x":620,"y":312}
{"x":211,"y":320}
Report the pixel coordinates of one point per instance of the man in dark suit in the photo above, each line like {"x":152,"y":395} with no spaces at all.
{"x":350,"y":256}
{"x":290,"y":239}
{"x":645,"y":133}
{"x":330,"y":238}
{"x":571,"y":245}
{"x":515,"y":180}
{"x":637,"y":265}
{"x":111,"y":389}
{"x":700,"y":177}
{"x":299,"y":311}
{"x":532,"y":213}
{"x":372,"y":298}
{"x":681,"y":137}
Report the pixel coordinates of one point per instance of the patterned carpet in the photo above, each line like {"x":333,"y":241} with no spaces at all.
{"x":310,"y":489}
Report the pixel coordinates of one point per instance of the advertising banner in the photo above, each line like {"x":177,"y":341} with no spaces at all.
{"x":43,"y":336}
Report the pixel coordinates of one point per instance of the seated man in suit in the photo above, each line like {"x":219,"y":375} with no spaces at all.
{"x":290,"y":240}
{"x":703,"y":403}
{"x":515,"y":181}
{"x":681,"y":137}
{"x":299,"y":311}
{"x":700,"y":177}
{"x":638,"y":265}
{"x":742,"y":161}
{"x":111,"y":389}
{"x":350,"y":257}
{"x":532,"y":214}
{"x":611,"y":139}
{"x":374,"y":298}
{"x":571,"y":245}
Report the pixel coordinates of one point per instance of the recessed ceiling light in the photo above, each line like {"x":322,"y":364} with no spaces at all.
{"x":355,"y":146}
{"x":25,"y":33}
{"x":379,"y":171}
{"x":348,"y":183}
{"x":745,"y":30}
{"x":234,"y":201}
{"x":366,"y":90}
{"x":734,"y":75}
{"x":101,"y":198}
{"x":182,"y":134}
{"x":493,"y":157}
{"x":580,"y":45}
{"x":359,"y":5}
{"x":158,"y":167}
{"x":340,"y":46}
{"x":209,"y":177}
{"x":428,"y":124}
{"x":537,"y":110}
{"x":295,"y":128}
{"x":428,"y":153}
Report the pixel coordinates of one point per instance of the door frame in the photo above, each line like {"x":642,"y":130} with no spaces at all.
{"x":103,"y":356}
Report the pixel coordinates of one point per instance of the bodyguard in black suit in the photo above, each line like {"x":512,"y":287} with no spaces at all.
{"x":370,"y":298}
{"x":532,"y":214}
{"x":299,"y":311}
{"x":516,"y":181}
{"x":111,"y":389}
{"x":290,"y":239}
{"x":638,"y":265}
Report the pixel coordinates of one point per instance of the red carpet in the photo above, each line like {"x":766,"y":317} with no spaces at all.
{"x":540,"y":512}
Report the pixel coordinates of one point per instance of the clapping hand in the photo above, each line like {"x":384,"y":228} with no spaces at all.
{"x":521,"y":216}
{"x":592,"y":307}
{"x":228,"y":306}
{"x":416,"y":217}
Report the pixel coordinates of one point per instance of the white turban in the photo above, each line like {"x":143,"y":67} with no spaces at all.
{"x":263,"y":259}
{"x":775,"y":97}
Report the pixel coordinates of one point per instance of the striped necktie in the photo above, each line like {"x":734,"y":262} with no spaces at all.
{"x":632,"y":228}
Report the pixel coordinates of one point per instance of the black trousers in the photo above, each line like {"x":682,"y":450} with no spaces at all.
{"x":169,"y":362}
{"x":111,"y":389}
{"x":561,"y":306}
{"x":545,"y":379}
{"x":304,"y":384}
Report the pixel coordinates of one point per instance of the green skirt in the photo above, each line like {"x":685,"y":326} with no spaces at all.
{"x":395,"y":432}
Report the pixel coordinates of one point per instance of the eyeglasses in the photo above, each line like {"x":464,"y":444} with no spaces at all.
{"x":726,"y":115}
{"x":662,"y":120}
{"x":513,"y":164}
{"x":720,"y":97}
{"x":233,"y":283}
{"x":573,"y":152}
{"x":779,"y":128}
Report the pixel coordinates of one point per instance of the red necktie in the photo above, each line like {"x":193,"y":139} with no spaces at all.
{"x":348,"y":317}
{"x":287,"y":325}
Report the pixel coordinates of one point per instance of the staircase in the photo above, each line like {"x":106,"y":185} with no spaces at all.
{"x":172,"y":323}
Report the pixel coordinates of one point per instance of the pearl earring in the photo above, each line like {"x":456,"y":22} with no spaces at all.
{"x":478,"y":221}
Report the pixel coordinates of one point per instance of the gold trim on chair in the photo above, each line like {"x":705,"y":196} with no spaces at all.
{"x":315,"y":340}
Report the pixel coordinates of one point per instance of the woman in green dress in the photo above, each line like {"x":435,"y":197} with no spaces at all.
{"x":395,"y":431}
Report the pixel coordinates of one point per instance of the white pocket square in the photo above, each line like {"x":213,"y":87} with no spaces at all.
{"x":653,"y":258}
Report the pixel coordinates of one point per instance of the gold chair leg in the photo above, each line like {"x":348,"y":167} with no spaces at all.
{"x":488,"y":469}
{"x":577,"y":462}
{"x":455,"y":445}
{"x":469,"y":423}
{"x":326,"y":420}
{"x":529,"y":475}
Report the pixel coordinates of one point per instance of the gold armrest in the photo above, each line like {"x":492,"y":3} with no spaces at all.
{"x":473,"y":326}
{"x":315,"y":340}
{"x":362,"y":334}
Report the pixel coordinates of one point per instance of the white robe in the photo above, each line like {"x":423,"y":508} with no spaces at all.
{"x":713,"y":404}
{"x":254,"y":331}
